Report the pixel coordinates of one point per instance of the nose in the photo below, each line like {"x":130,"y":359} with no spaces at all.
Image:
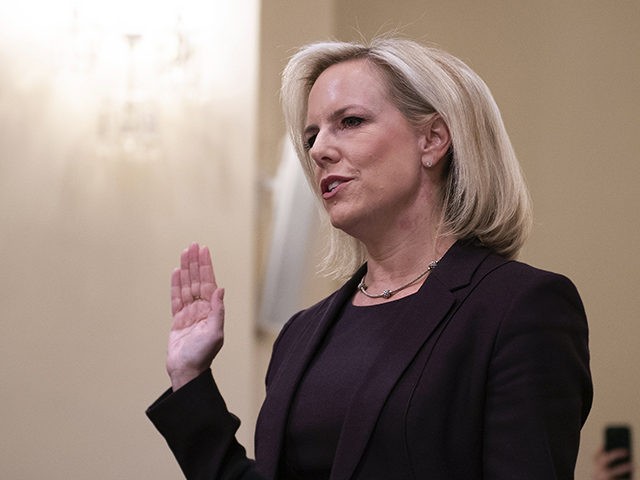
{"x":324,"y":149}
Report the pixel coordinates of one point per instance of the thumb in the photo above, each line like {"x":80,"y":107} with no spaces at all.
{"x":217,"y":302}
{"x":218,"y":296}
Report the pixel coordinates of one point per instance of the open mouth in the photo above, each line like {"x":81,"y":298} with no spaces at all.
{"x":329,"y":184}
{"x":333,"y":185}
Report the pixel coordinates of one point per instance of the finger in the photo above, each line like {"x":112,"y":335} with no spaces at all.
{"x":616,"y":454}
{"x":194,"y":269}
{"x":619,"y":452}
{"x":185,"y":281}
{"x":621,"y":469}
{"x":217,"y":305}
{"x":207,"y":276}
{"x":176,"y":295}
{"x":600,"y":460}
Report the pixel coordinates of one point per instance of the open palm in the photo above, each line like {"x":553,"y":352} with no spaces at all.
{"x":197,"y":331}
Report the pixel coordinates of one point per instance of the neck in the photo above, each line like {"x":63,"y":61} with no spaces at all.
{"x":404,"y":259}
{"x":405,"y":244}
{"x":402,"y":246}
{"x":397,"y":265}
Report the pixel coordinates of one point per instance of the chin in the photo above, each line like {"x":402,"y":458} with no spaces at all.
{"x":346,"y":223}
{"x":347,"y":217}
{"x":338,"y":221}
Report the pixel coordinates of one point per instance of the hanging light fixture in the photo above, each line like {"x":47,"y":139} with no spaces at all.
{"x":123,"y":67}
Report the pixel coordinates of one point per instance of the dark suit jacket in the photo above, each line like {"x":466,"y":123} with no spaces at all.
{"x":488,"y":379}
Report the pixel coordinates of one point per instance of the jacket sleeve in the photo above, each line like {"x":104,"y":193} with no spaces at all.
{"x":539,"y":388}
{"x":200,"y":432}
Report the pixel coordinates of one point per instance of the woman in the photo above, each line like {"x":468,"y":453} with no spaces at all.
{"x":441,"y":357}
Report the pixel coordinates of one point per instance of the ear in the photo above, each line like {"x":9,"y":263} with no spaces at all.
{"x":435,"y":141}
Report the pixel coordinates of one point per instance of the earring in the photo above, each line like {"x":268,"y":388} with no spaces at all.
{"x":429,"y":164}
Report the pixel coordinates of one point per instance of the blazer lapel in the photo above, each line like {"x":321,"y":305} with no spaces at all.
{"x":274,"y":411}
{"x":404,"y":342}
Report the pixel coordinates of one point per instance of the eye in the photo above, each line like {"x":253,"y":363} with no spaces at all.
{"x":308,"y":143}
{"x":350,"y":122}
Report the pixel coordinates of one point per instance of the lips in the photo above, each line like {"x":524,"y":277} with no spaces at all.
{"x":329,"y":185}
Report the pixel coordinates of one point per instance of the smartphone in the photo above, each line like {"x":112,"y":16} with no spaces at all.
{"x":618,"y":436}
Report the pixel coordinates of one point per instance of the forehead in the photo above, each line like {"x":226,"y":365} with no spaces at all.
{"x":352,"y":81}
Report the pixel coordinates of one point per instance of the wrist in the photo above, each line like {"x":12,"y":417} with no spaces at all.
{"x":180,"y":378}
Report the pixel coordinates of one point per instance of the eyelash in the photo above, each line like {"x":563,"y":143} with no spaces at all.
{"x":309,"y":142}
{"x":346,"y":122}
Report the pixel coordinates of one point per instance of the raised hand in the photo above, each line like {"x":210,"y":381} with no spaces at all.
{"x":197,"y":331}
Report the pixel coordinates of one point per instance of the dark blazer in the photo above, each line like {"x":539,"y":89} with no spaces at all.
{"x":487,"y":379}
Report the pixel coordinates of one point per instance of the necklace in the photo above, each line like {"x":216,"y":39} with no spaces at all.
{"x":390,"y":293}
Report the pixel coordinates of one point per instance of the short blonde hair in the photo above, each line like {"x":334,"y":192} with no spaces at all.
{"x":484,"y":197}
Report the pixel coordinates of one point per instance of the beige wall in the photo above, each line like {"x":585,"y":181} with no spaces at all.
{"x":87,"y":244}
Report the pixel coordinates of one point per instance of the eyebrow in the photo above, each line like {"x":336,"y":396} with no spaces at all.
{"x":309,"y":129}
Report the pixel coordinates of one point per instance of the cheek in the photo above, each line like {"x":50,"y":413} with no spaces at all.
{"x":373,"y":154}
{"x":395,"y":158}
{"x":396,"y":141}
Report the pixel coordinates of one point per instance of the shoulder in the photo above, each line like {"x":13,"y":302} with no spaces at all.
{"x":503,"y":292}
{"x":529,"y":303}
{"x":514,"y":277}
{"x":531,"y":318}
{"x":468,"y":269}
{"x":520,"y":282}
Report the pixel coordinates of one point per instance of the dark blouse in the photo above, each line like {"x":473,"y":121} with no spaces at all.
{"x":319,"y":406}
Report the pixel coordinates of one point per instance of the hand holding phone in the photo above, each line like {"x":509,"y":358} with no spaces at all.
{"x":617,"y":446}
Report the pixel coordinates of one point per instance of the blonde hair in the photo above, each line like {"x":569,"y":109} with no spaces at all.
{"x":484,"y":197}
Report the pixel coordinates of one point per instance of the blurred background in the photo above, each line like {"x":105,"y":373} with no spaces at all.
{"x":129,"y":129}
